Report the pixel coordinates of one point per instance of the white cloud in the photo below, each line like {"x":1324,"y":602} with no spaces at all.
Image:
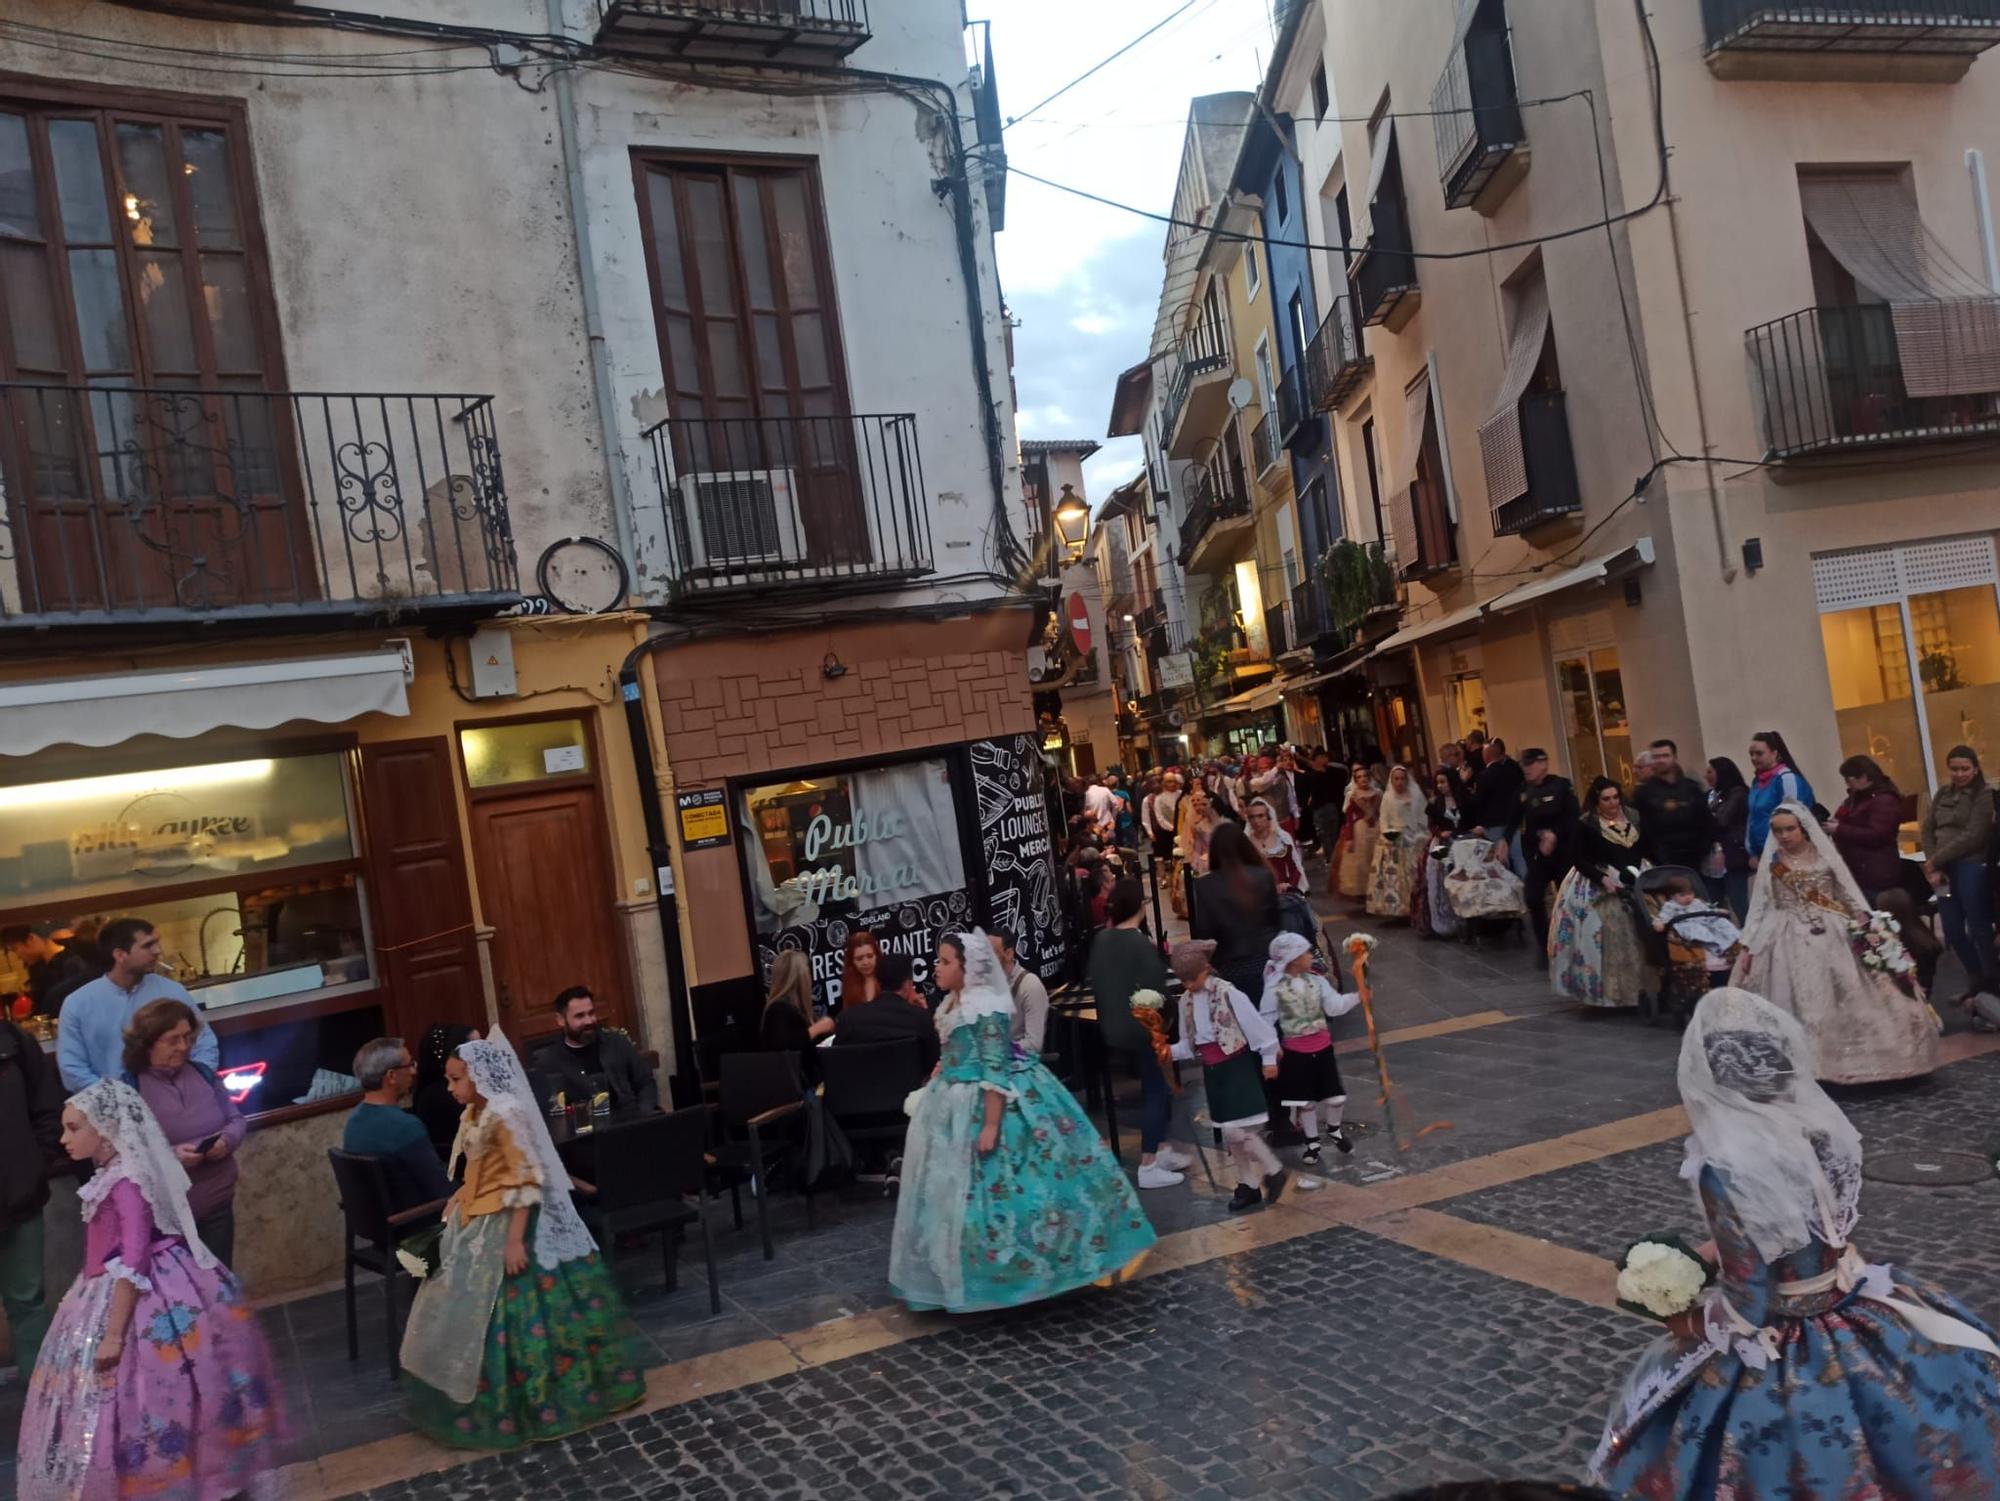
{"x":1083,"y":279}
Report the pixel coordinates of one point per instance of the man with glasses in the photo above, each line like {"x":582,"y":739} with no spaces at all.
{"x":380,"y":1126}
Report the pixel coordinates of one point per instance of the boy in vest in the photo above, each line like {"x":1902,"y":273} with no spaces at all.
{"x":1299,"y":1004}
{"x":1238,"y":1050}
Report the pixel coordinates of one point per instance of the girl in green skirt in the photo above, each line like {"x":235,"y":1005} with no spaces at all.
{"x":519,"y":1335}
{"x":1238,"y":1049}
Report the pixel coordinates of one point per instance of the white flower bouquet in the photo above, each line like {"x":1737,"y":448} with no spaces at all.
{"x":1147,"y":1000}
{"x":910,"y":1099}
{"x":1661,"y":1276}
{"x":422,"y":1253}
{"x":1878,"y":947}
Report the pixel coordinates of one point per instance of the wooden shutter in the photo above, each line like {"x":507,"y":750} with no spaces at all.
{"x":418,"y":895}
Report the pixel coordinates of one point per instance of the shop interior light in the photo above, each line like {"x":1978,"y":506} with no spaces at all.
{"x":133,"y":783}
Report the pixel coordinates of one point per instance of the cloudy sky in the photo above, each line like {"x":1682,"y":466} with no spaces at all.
{"x":1083,"y":281}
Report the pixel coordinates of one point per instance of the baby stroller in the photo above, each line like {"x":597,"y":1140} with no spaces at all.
{"x":1681,"y":966}
{"x":1484,"y":894}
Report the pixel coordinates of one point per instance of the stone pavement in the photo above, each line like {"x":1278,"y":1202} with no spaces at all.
{"x":1437,"y":1312}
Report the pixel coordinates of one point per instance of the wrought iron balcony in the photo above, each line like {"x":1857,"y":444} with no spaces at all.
{"x":1150,"y":618}
{"x":752,"y":504}
{"x":1477,"y":113}
{"x":1833,"y":378}
{"x":1211,"y":505}
{"x":1293,"y":409}
{"x":131,"y":504}
{"x":1265,"y":443}
{"x":737,"y":30}
{"x":1551,"y":464}
{"x":1384,"y":275}
{"x":1335,"y":364}
{"x":1848,"y":40}
{"x":1309,"y":614}
{"x":1201,"y":365}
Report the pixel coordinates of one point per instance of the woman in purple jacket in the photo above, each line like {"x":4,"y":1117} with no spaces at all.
{"x":1865,"y":827}
{"x":196,"y":1115}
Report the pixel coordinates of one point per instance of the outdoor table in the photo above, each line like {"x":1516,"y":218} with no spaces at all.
{"x":576,"y":1143}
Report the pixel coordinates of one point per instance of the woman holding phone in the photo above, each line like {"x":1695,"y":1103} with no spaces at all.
{"x":195,"y":1113}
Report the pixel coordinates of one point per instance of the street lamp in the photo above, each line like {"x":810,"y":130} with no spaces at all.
{"x":1072,"y":519}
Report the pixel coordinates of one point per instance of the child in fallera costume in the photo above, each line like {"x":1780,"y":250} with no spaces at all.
{"x":1238,"y":1050}
{"x":154,"y":1379}
{"x":1300,"y":1003}
{"x":518,"y":1336}
{"x":1008,"y":1193}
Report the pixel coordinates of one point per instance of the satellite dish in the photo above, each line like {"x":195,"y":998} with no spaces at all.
{"x":1240,"y":391}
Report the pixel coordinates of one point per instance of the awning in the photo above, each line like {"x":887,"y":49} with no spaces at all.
{"x":1637,"y":555}
{"x":1410,"y":635}
{"x":1251,"y":701}
{"x":186,"y":703}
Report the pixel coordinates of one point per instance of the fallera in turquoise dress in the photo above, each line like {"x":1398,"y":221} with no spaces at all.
{"x":1046,"y":1211}
{"x":1855,"y":1403}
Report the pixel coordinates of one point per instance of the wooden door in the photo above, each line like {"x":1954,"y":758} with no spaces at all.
{"x":421,"y":906}
{"x":546,"y":887}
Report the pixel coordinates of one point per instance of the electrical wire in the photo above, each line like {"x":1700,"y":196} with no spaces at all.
{"x":1102,"y":63}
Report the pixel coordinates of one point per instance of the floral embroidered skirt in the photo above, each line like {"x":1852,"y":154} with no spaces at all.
{"x":1595,"y":953}
{"x":1047,"y":1211}
{"x":1856,"y":1404}
{"x":556,"y":1357}
{"x":1394,"y":878}
{"x":189,"y":1414}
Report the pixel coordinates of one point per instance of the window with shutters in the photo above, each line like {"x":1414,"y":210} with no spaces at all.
{"x":132,"y":270}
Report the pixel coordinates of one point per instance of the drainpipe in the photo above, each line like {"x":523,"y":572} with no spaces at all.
{"x":680,"y":1012}
{"x":1715,"y":514}
{"x":1982,"y":210}
{"x":617,"y":488}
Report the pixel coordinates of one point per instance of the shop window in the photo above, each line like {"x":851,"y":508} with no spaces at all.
{"x":849,"y":844}
{"x":1913,"y":678}
{"x":1591,"y":687}
{"x":1468,"y":704}
{"x":499,"y":754}
{"x":75,"y":841}
{"x":251,"y":872}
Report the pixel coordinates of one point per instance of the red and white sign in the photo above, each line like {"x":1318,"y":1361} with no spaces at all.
{"x":1079,"y":623}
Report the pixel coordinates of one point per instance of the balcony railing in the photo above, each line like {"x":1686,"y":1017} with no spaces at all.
{"x":1203,"y":350}
{"x":1266,"y":444}
{"x":1551,"y":466}
{"x":128,"y":503}
{"x":1832,"y":378}
{"x":1276,"y":636}
{"x":1477,"y":114}
{"x":756,"y":503}
{"x":1211,"y":504}
{"x":1293,"y":409}
{"x":1384,"y":275}
{"x":1335,"y":365}
{"x":1309,"y":616}
{"x":768,"y":30}
{"x":1859,"y":39}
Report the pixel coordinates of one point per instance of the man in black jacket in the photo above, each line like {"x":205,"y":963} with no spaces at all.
{"x":1496,"y":797}
{"x":31,"y":1100}
{"x":897,"y":1013}
{"x":587,"y":1059}
{"x":1548,"y":836}
{"x":1674,"y":823}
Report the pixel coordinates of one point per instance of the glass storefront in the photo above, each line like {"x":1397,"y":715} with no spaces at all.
{"x":250,"y":870}
{"x":1914,"y":677}
{"x":1591,"y":689}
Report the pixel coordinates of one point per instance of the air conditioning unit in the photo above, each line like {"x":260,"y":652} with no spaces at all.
{"x":741,"y":518}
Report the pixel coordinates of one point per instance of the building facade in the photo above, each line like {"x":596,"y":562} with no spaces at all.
{"x":411,"y":627}
{"x":1634,"y":420}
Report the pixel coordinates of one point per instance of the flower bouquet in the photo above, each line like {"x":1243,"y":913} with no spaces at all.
{"x":1148,"y":1010}
{"x":1878,"y":947}
{"x":422,"y":1253}
{"x":1661,"y":1276}
{"x":910,"y":1100}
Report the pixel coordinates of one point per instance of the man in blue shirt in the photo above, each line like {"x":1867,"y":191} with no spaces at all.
{"x":90,"y":1041}
{"x":381,"y":1127}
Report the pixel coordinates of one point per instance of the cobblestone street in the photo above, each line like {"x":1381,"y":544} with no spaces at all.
{"x":1437,"y":1312}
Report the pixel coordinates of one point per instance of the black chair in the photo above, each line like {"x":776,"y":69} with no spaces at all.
{"x":363,"y":1184}
{"x":641,"y":1178}
{"x":863,"y":1086}
{"x":760,"y":1091}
